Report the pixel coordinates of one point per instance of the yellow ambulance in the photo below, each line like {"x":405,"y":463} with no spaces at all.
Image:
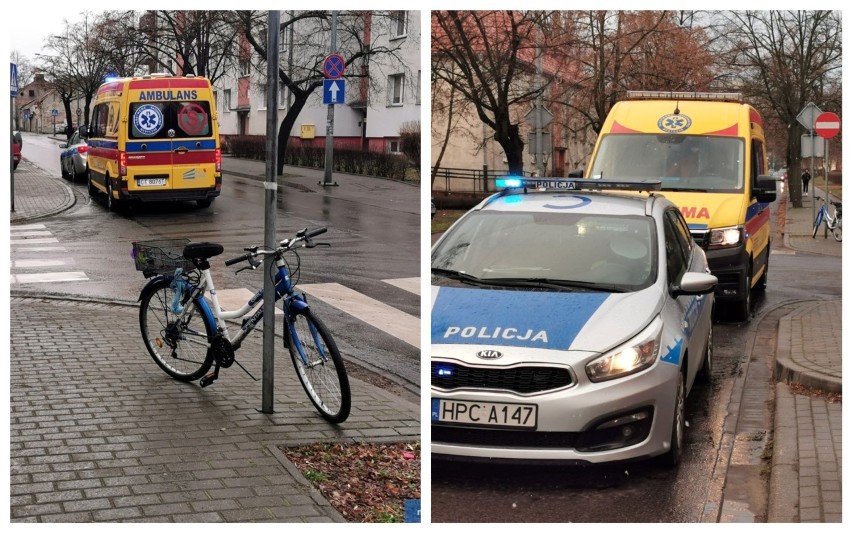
{"x":155,"y":138}
{"x":709,"y":151}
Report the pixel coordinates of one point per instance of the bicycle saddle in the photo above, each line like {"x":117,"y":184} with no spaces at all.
{"x":202,"y":250}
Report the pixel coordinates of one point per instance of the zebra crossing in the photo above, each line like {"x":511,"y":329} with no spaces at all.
{"x":37,"y":256}
{"x":30,"y":243}
{"x":378,"y":314}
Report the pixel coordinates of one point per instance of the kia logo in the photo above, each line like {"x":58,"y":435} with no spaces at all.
{"x":489,"y":354}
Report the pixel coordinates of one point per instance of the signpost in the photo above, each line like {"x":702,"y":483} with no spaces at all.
{"x":827,"y":125}
{"x":13,"y":81}
{"x":807,"y":118}
{"x":332,"y":66}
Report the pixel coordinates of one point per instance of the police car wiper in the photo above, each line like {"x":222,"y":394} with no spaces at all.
{"x":455,"y":274}
{"x":554,"y":283}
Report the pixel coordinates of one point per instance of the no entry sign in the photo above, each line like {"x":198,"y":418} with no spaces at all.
{"x":827,"y":125}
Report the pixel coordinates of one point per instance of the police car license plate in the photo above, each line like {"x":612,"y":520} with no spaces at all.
{"x":150,"y":182}
{"x":485,"y":413}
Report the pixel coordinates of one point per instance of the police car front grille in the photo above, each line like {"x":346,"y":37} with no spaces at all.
{"x":519,"y":379}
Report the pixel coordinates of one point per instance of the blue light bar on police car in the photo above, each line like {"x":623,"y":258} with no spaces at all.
{"x":571,"y":184}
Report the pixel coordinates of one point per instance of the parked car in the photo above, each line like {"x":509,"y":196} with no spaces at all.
{"x":568,"y":325}
{"x":73,"y":160}
{"x":17,"y":143}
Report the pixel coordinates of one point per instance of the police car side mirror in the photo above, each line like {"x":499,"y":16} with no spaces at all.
{"x":84,"y":131}
{"x":694,"y":283}
{"x":578,"y":173}
{"x":764,"y":189}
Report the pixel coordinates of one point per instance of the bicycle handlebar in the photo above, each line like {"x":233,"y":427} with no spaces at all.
{"x":286,"y":244}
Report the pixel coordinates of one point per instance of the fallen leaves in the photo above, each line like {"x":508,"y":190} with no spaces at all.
{"x":364,"y":482}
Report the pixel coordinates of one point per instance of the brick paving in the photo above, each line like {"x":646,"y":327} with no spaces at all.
{"x":99,"y":433}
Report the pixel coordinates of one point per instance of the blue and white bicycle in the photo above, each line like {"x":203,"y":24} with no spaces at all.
{"x":184,"y":327}
{"x":832,"y":223}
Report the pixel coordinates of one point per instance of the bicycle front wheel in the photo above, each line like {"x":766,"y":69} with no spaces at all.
{"x":319,"y":366}
{"x":178,"y":344}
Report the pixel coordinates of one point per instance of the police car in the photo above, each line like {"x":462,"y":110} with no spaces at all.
{"x":570,"y":319}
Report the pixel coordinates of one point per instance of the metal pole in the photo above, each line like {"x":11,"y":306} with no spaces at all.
{"x":11,"y":161}
{"x":539,"y":149}
{"x":329,"y":126}
{"x":813,"y":149}
{"x":825,"y":196}
{"x":271,"y":186}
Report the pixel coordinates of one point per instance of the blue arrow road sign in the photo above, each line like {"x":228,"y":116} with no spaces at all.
{"x":13,"y":78}
{"x":333,"y":91}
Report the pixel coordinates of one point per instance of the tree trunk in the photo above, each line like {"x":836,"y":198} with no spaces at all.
{"x":446,"y":139}
{"x":509,"y":139}
{"x":795,"y":164}
{"x":287,"y":127}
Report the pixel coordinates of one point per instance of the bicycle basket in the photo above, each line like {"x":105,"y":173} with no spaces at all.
{"x":161,"y":256}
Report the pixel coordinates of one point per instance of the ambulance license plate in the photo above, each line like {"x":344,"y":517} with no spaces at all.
{"x":516,"y":415}
{"x":150,"y":182}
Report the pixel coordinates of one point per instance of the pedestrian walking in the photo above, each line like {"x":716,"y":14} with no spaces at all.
{"x":806,"y":178}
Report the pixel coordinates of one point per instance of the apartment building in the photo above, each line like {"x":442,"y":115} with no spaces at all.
{"x":382,"y":93}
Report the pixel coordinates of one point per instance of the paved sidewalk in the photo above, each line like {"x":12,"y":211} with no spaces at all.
{"x":806,"y":480}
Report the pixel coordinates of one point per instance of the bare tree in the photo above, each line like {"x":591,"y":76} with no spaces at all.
{"x":487,"y":56}
{"x":301,"y":71}
{"x":617,"y":51}
{"x":783,"y":60}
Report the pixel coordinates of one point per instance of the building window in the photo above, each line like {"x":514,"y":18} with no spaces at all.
{"x":226,"y":100}
{"x":396,"y":87}
{"x":393,"y":147}
{"x":245,"y":67}
{"x":31,"y":93}
{"x":399,"y":23}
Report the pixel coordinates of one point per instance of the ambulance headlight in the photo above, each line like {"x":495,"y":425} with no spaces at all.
{"x":634,"y":356}
{"x":723,"y":237}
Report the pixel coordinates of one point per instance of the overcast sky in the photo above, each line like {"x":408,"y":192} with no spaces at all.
{"x":32,"y":23}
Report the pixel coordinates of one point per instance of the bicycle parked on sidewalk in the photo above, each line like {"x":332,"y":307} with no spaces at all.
{"x":834,"y":224}
{"x":186,"y":333}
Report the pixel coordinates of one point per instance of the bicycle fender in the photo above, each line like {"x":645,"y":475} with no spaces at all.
{"x":206,"y":313}
{"x":149,"y":286}
{"x":297,"y":304}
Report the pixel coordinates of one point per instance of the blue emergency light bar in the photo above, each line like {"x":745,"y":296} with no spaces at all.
{"x":576,"y":184}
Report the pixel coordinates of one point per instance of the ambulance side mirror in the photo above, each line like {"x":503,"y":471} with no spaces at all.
{"x":764,"y":189}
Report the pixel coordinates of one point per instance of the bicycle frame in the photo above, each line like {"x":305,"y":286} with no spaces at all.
{"x":216,"y":317}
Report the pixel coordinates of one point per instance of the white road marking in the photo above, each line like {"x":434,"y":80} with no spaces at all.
{"x":375,"y":313}
{"x":37,"y":263}
{"x":49,"y":277}
{"x":27,"y":227}
{"x":33,"y":241}
{"x":32,"y":234}
{"x":42,"y":249}
{"x":411,"y":285}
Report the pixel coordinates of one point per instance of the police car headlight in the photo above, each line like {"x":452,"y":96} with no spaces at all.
{"x":634,"y":356}
{"x":722,"y":237}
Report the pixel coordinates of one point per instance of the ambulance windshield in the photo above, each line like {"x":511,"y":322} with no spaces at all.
{"x":682,"y":162}
{"x":172,"y":119}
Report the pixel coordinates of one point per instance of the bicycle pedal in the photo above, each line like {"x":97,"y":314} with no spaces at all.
{"x":207,"y":380}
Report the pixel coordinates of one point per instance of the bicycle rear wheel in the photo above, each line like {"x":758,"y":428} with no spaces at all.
{"x":837,"y":232}
{"x":319,"y":366}
{"x":178,"y":345}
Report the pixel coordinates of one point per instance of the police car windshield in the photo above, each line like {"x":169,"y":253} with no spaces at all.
{"x":682,"y":162}
{"x":560,"y":250}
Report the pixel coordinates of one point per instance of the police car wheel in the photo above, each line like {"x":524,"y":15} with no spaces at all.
{"x":672,"y":457}
{"x":65,"y":174}
{"x":706,"y":372}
